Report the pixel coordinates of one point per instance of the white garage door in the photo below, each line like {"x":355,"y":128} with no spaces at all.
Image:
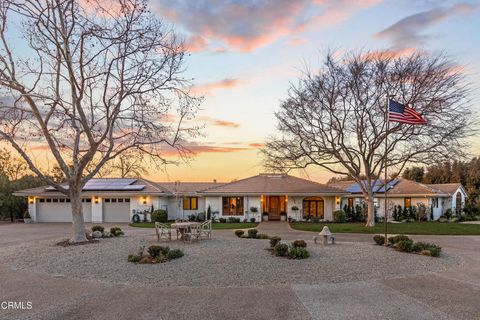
{"x":59,"y":210}
{"x":116,"y":210}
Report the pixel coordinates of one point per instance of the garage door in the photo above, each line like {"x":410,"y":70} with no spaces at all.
{"x":59,"y":210}
{"x":116,"y":210}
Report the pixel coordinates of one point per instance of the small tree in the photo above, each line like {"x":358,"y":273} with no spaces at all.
{"x":90,"y":84}
{"x":335,"y":118}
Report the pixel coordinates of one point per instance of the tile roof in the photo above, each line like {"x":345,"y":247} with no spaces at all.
{"x":187,"y":187}
{"x":267,"y":183}
{"x":149,"y":189}
{"x":449,"y":188}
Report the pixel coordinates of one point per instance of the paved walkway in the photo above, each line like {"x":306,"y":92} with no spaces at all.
{"x":452,"y":294}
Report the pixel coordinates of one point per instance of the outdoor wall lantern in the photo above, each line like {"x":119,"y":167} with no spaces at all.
{"x":96,"y":200}
{"x":144,"y":200}
{"x":337,"y":199}
{"x":30,"y":200}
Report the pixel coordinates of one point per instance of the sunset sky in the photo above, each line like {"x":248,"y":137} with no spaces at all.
{"x":245,"y":54}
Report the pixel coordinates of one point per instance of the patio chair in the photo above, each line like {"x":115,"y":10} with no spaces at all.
{"x":163,"y":231}
{"x":193,"y":233}
{"x":206,"y":230}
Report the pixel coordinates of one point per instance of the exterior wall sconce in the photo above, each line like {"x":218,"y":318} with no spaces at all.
{"x":337,"y":199}
{"x":286,"y":198}
{"x":30,"y":200}
{"x":96,"y":200}
{"x":144,"y":200}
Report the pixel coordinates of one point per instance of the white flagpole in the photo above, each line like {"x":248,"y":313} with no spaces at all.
{"x":386,"y":175}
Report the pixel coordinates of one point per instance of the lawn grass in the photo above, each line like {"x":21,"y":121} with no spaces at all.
{"x":425,"y":228}
{"x":215,"y":226}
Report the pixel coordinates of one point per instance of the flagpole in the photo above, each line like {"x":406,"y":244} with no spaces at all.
{"x":386,"y":175}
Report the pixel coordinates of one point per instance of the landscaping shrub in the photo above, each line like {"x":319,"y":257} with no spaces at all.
{"x":116,"y":231}
{"x":274,"y":240}
{"x":134,"y":258}
{"x":394,"y":240}
{"x":280,"y":249}
{"x":380,"y":240}
{"x":404,"y":245}
{"x":245,"y":220}
{"x":239,"y":233}
{"x":192,"y":218}
{"x":145,"y":260}
{"x":263,"y":236}
{"x":423,"y":247}
{"x":159,"y":215}
{"x":252,"y":233}
{"x":222,"y":220}
{"x":299,"y":244}
{"x":252,"y":220}
{"x":175,"y":254}
{"x":155,"y":251}
{"x":161,"y":259}
{"x":298,"y":253}
{"x":339,"y":216}
{"x":98,"y":228}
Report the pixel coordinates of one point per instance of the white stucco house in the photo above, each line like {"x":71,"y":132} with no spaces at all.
{"x":406,"y":193}
{"x":264,"y":196}
{"x":268,"y":196}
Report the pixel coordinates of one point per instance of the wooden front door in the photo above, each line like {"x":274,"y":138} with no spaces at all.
{"x":274,"y":208}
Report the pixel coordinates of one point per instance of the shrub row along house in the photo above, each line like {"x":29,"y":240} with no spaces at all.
{"x":267,"y":196}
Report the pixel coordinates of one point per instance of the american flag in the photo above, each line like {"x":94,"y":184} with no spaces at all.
{"x":398,"y":112}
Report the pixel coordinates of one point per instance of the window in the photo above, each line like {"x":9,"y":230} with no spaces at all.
{"x":190,"y":203}
{"x":67,"y":200}
{"x":41,"y":200}
{"x":61,"y":200}
{"x":127,"y":199}
{"x":54,"y":200}
{"x":407,"y":202}
{"x":106,"y":200}
{"x":232,"y":206}
{"x":350,"y":202}
{"x":113,"y":200}
{"x":48,"y":200}
{"x":120,"y":200}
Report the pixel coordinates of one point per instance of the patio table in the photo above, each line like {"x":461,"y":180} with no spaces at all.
{"x":182,"y":227}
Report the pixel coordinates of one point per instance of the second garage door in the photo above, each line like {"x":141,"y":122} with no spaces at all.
{"x":116,"y":210}
{"x":59,"y":210}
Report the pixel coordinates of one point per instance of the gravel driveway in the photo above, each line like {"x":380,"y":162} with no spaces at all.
{"x":222,"y":262}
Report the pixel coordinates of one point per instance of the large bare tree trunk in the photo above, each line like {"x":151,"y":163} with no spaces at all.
{"x":78,"y":227}
{"x":370,"y":210}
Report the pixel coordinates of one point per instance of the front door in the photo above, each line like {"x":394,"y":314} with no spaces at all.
{"x":274,"y":208}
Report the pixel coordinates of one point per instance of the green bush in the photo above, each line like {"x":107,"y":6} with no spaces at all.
{"x":175,"y":254}
{"x":239,"y":233}
{"x":252,"y":233}
{"x":280,"y":249}
{"x":156,"y":251}
{"x":116,"y":231}
{"x":98,"y":228}
{"x":161,"y":259}
{"x":263,"y":236}
{"x":433,"y":249}
{"x":252,"y":220}
{"x":134,"y":258}
{"x":274,"y":240}
{"x":404,"y":245}
{"x":380,"y":240}
{"x":339,"y":216}
{"x":298,"y":253}
{"x":222,"y":220}
{"x":299,"y":244}
{"x":160,"y":215}
{"x":394,"y":240}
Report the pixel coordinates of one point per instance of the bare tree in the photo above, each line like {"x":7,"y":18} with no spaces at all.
{"x":336,"y":118}
{"x":90,"y":83}
{"x":129,"y":165}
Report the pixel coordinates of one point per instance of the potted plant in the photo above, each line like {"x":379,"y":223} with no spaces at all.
{"x":283,"y":216}
{"x":265,"y":216}
{"x":26,"y":217}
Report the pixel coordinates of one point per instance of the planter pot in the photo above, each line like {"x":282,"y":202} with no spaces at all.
{"x":27,"y":220}
{"x":265,"y":218}
{"x":283,"y":218}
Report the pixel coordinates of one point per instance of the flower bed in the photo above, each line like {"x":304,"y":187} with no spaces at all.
{"x":156,"y":254}
{"x":405,"y":244}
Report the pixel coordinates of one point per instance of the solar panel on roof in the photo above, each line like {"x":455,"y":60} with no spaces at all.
{"x":377,"y":186}
{"x":109,"y":185}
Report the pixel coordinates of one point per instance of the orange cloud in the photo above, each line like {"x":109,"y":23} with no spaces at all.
{"x":256,"y":145}
{"x":390,"y":53}
{"x":196,"y":43}
{"x":218,"y":122}
{"x":207,"y":88}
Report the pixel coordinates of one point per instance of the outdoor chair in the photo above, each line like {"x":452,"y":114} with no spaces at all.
{"x":163,"y":231}
{"x":206,"y":230}
{"x":193,"y":233}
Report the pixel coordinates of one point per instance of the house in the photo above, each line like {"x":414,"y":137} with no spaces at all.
{"x":272,"y":196}
{"x":407,"y":193}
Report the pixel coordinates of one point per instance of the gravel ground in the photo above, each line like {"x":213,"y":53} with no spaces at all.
{"x":221,"y":262}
